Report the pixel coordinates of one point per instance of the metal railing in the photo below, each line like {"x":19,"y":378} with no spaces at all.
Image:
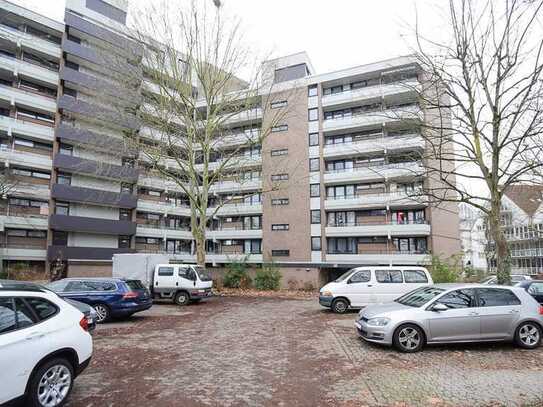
{"x":378,"y":223}
{"x":373,"y":167}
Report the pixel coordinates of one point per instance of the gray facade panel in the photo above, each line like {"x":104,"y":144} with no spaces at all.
{"x":77,"y":136}
{"x":94,"y":30}
{"x":107,"y":10}
{"x":82,"y":166}
{"x":88,"y":195}
{"x":83,"y":253}
{"x":83,"y":224}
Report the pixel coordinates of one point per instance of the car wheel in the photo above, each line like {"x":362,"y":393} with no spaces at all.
{"x":51,"y":384}
{"x":340,"y":306}
{"x":408,"y":338}
{"x":182,"y":298}
{"x":102,"y":313}
{"x":528,"y":335}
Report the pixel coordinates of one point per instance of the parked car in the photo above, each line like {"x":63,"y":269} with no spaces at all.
{"x":87,"y":310}
{"x":515,"y":278}
{"x":182,"y":283}
{"x":110,"y":297}
{"x":44,"y":345}
{"x":362,"y":286}
{"x":534,"y":288}
{"x":445,"y":313}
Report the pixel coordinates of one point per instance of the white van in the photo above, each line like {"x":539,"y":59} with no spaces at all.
{"x":362,"y":286}
{"x":181,"y":282}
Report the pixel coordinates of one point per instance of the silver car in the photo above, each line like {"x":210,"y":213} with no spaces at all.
{"x":445,"y":313}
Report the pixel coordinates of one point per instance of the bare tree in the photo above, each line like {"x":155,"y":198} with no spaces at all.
{"x":482,"y":94}
{"x":191,"y":96}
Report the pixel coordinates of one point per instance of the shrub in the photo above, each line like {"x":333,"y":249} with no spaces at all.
{"x":443,"y":271}
{"x":308,"y":286}
{"x":236,"y":275}
{"x":268,"y":278}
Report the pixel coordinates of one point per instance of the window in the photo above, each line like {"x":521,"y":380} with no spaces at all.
{"x":60,"y":238}
{"x":62,"y":208}
{"x":30,"y":173}
{"x":313,"y":114}
{"x":280,"y":151}
{"x":496,"y":297}
{"x":165,"y":271}
{"x":313,"y":139}
{"x":389,"y":276}
{"x":279,"y":226}
{"x":66,"y":149}
{"x":315,"y":190}
{"x":415,"y":276}
{"x":341,"y":245}
{"x":7,"y":316}
{"x":28,"y":114}
{"x":43,"y":308}
{"x":314,"y":164}
{"x":25,"y":316}
{"x":124,"y":242}
{"x":64,"y":179}
{"x":125,"y":214}
{"x":312,"y":90}
{"x":536,"y":289}
{"x":126,"y":188}
{"x":362,"y":276}
{"x":58,"y":286}
{"x":279,"y":201}
{"x":281,"y":127}
{"x":279,"y":177}
{"x":315,"y":216}
{"x":280,"y":253}
{"x":278,"y":104}
{"x":459,"y":299}
{"x":316,"y":243}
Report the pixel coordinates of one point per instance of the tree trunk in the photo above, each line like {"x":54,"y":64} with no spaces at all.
{"x":200,"y":250}
{"x":502,"y":254}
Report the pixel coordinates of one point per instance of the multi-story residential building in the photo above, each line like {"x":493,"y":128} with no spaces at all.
{"x":522,"y":220}
{"x":473,"y":237}
{"x":348,"y":153}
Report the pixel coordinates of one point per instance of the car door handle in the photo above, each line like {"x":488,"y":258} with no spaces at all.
{"x":34,"y":335}
{"x":514,"y":311}
{"x":473,"y":313}
{"x":370,"y":285}
{"x":177,"y":283}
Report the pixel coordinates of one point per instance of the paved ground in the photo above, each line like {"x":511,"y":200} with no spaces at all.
{"x":272,"y":352}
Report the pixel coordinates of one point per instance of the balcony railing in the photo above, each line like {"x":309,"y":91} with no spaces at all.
{"x":383,"y":252}
{"x":372,"y":223}
{"x":373,"y":167}
{"x":164,"y":227}
{"x":383,"y":195}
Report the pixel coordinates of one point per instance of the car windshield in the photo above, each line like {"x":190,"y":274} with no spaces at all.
{"x":344,"y":276}
{"x":204,"y":275}
{"x":419,"y":297}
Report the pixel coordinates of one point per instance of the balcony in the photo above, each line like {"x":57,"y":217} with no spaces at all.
{"x":533,"y":252}
{"x":371,"y":119}
{"x":74,"y":135}
{"x":20,"y":67}
{"x":83,"y":253}
{"x":30,"y":41}
{"x":243,"y":117}
{"x":33,"y":100}
{"x":370,"y":92}
{"x":375,"y":173}
{"x":379,"y":258}
{"x":29,"y":190}
{"x":378,"y":143}
{"x":22,"y":252}
{"x":71,"y":193}
{"x":13,"y":126}
{"x":22,"y":221}
{"x":165,"y":208}
{"x":389,"y":199}
{"x":234,"y":233}
{"x":161,"y":231}
{"x":78,"y":165}
{"x":415,"y":228}
{"x":234,"y":209}
{"x":227,"y":258}
{"x":25,"y":159}
{"x":83,"y":224}
{"x":236,"y":186}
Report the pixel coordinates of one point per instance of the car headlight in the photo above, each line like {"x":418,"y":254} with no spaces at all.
{"x":327,"y":294}
{"x":378,"y":321}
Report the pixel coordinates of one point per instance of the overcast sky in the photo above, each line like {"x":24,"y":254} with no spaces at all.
{"x":336,"y":34}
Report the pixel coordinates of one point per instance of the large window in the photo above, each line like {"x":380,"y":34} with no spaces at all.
{"x":341,"y":245}
{"x":496,"y":297}
{"x":315,"y":216}
{"x":464,"y":298}
{"x":389,"y":276}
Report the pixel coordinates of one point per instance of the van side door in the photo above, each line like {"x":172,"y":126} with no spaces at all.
{"x":389,"y":284}
{"x":414,"y":279}
{"x":186,"y":277}
{"x":165,"y":278}
{"x":358,"y":288}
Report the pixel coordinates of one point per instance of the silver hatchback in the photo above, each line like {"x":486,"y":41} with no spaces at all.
{"x":446,"y":313}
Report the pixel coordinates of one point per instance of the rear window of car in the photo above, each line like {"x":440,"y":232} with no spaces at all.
{"x":415,"y":276}
{"x":7,"y":316}
{"x":134,"y":284}
{"x":42,"y":308}
{"x":389,"y":276}
{"x":496,"y":297}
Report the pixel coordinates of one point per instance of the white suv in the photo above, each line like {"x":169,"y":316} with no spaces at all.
{"x":44,"y":345}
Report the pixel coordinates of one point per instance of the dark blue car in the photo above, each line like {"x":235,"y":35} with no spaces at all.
{"x":110,"y":297}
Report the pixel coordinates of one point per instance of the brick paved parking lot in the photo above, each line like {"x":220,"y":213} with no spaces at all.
{"x":276,"y":352}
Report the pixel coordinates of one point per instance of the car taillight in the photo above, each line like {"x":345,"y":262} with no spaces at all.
{"x":84,"y":323}
{"x":541,"y":310}
{"x":130,"y":295}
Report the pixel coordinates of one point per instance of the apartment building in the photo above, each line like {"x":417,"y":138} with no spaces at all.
{"x":348,"y":155}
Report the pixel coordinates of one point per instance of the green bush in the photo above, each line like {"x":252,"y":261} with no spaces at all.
{"x":268,"y":278}
{"x":443,"y":271}
{"x":236,"y":275}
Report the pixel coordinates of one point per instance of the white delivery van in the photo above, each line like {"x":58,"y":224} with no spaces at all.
{"x":362,"y":286}
{"x":181,"y":282}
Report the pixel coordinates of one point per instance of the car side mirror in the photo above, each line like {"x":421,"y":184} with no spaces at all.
{"x":438,"y":307}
